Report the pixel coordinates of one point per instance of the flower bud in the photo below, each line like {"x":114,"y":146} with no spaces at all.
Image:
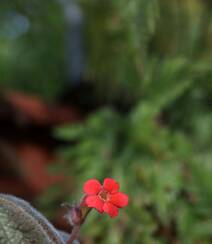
{"x":74,"y":215}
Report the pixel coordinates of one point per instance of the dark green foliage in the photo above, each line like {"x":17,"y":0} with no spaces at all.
{"x":32,"y":57}
{"x":118,"y":31}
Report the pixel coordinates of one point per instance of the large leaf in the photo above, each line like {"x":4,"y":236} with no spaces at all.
{"x":21,"y":223}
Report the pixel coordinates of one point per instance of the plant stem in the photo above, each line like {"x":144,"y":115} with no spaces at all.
{"x":74,"y":234}
{"x":78,"y":215}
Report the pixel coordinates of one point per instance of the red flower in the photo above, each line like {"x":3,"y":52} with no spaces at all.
{"x":106,"y":198}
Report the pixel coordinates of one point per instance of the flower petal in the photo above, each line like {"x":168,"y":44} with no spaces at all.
{"x":119,"y":199}
{"x":110,"y":209}
{"x":92,"y":187}
{"x":94,"y":202}
{"x":111,"y":185}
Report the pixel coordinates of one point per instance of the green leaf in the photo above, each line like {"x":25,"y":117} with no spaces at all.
{"x":21,"y":223}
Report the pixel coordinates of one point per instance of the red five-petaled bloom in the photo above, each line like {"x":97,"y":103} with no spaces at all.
{"x":106,"y":198}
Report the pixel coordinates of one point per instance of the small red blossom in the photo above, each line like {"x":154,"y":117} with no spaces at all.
{"x":104,"y":198}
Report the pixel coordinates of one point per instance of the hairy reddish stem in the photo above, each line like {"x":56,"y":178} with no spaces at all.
{"x":77,"y":215}
{"x":74,"y":234}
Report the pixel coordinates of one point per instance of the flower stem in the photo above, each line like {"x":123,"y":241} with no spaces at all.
{"x":76,"y":216}
{"x":74,"y":234}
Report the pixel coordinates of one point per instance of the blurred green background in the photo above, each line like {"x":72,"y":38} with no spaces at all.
{"x":141,"y":71}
